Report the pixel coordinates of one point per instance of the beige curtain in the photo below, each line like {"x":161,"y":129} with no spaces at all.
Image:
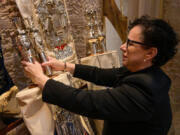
{"x":136,"y":8}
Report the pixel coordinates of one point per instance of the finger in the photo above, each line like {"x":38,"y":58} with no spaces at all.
{"x":24,"y":63}
{"x":26,"y":69}
{"x":51,"y":58}
{"x":48,"y":57}
{"x":48,"y":63}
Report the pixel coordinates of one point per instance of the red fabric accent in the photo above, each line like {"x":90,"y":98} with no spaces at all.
{"x":61,"y":47}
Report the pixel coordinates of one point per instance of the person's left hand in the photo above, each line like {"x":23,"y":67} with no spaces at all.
{"x":35,"y":72}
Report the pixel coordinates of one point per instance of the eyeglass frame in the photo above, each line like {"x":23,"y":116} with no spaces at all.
{"x":136,"y":42}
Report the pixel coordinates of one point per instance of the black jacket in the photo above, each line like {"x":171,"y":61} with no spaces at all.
{"x":137,"y":104}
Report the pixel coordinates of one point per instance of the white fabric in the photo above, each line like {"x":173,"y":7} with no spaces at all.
{"x":136,"y":8}
{"x":25,"y":7}
{"x":38,"y":115}
{"x":108,"y":59}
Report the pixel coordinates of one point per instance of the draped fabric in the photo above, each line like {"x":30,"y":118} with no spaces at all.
{"x":136,"y":8}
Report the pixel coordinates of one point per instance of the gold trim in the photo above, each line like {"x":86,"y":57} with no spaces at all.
{"x":5,"y":97}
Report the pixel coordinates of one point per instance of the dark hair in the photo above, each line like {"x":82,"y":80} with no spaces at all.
{"x":158,"y":33}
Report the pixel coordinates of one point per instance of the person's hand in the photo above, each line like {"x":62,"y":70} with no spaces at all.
{"x":55,"y":64}
{"x":35,"y":72}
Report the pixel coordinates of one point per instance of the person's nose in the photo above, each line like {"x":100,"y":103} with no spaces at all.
{"x":123,"y":47}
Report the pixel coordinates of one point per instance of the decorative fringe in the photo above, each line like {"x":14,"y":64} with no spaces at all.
{"x":4,"y":98}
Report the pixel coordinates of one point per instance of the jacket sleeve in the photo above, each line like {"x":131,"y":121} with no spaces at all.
{"x":99,"y":76}
{"x":128,"y":102}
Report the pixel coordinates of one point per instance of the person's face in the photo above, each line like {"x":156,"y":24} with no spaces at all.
{"x":134,"y":55}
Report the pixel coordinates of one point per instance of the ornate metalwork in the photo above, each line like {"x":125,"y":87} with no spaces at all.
{"x":96,"y":38}
{"x":24,"y":40}
{"x":68,"y":123}
{"x":54,"y":22}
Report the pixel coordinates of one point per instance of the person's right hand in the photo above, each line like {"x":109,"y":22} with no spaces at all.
{"x":55,"y":64}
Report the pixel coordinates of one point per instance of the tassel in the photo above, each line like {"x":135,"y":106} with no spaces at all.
{"x":4,"y":98}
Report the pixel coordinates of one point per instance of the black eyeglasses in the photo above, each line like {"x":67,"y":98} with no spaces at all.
{"x":128,"y":41}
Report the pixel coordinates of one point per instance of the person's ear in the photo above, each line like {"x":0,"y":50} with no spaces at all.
{"x":151,"y":53}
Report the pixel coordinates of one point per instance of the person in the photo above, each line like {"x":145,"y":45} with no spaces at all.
{"x":136,"y":100}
